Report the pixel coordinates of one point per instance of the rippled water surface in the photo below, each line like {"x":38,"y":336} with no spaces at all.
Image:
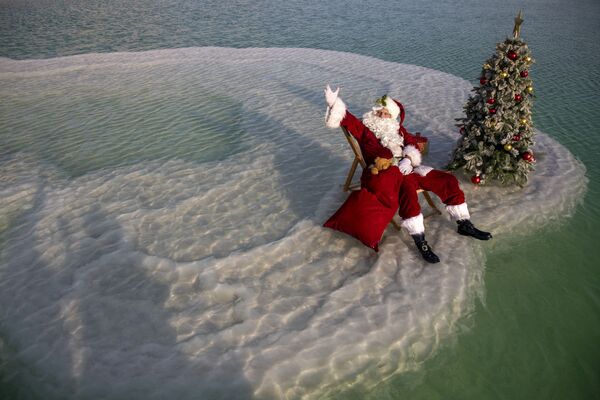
{"x":159,"y":217}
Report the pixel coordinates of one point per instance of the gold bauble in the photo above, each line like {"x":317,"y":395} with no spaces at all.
{"x":508,"y":147}
{"x":528,"y":59}
{"x":504,"y":74}
{"x":523,"y":121}
{"x":530,"y":89}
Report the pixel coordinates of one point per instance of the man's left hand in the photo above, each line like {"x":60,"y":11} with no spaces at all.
{"x":405,"y":166}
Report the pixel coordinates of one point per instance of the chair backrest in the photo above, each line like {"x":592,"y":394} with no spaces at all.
{"x":355,"y":147}
{"x":358,"y":159}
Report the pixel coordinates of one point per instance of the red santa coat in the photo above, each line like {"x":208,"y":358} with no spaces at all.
{"x":369,"y":144}
{"x":443,"y":184}
{"x":386,"y":184}
{"x":366,"y":213}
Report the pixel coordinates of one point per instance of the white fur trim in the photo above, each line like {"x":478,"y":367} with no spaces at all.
{"x":413,"y":225}
{"x":458,"y":212}
{"x":414,"y":154}
{"x":392,"y":107}
{"x":423,"y":170}
{"x":335,"y":114}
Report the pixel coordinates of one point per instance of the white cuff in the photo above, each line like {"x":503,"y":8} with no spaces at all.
{"x":423,"y":170}
{"x":413,"y":225}
{"x":458,"y":212}
{"x":335,"y":114}
{"x":414,"y":154}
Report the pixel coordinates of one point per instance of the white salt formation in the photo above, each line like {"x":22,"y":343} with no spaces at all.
{"x":160,"y":226}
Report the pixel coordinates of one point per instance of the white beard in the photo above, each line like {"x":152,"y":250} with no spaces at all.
{"x":386,"y":130}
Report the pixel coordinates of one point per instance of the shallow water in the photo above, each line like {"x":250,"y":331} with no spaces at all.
{"x":534,"y":333}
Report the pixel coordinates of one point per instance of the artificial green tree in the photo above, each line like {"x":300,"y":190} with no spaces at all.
{"x":497,"y":131}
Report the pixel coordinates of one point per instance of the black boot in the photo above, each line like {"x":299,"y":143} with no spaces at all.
{"x":466,"y":228}
{"x":424,"y":249}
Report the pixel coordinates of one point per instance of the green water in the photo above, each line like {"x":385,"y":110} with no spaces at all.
{"x":537,"y":333}
{"x":534,"y":338}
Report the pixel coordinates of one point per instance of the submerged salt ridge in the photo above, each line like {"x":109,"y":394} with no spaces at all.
{"x":145,"y":251}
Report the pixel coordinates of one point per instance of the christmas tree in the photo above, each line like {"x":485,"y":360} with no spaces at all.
{"x":497,"y":132}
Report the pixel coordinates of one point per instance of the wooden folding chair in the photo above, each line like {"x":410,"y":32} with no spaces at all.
{"x":358,"y":159}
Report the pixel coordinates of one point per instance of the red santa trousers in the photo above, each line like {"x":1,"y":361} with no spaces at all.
{"x":443,"y":184}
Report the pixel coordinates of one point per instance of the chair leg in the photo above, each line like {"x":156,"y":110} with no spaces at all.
{"x":428,"y":199}
{"x":396,"y":225}
{"x":350,"y":175}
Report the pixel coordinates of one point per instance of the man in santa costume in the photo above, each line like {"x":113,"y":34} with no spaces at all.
{"x":391,"y":152}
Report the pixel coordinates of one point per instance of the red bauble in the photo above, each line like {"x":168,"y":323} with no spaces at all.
{"x":524,"y":74}
{"x":527,"y":156}
{"x":492,"y":111}
{"x":491,"y":100}
{"x":462,"y":130}
{"x":518,"y":97}
{"x":516,"y":138}
{"x":482,"y":81}
{"x":512,"y":55}
{"x":476,"y":179}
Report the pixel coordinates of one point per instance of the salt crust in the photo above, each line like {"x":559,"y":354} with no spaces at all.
{"x":215,"y":280}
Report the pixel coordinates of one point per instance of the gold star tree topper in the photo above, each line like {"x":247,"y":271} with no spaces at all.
{"x":518,"y":21}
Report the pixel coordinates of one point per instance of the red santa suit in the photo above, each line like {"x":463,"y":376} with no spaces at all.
{"x":392,"y":188}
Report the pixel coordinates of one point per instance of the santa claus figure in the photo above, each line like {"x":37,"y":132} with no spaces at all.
{"x":395,"y":172}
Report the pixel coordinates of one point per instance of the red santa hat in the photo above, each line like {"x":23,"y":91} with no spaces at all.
{"x":389,"y":104}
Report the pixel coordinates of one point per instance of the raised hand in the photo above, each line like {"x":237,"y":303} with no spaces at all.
{"x":330,"y":95}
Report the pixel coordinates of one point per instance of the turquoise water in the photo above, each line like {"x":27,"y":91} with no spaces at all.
{"x":537,"y":333}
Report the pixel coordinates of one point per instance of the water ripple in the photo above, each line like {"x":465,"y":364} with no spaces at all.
{"x":161,"y":222}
